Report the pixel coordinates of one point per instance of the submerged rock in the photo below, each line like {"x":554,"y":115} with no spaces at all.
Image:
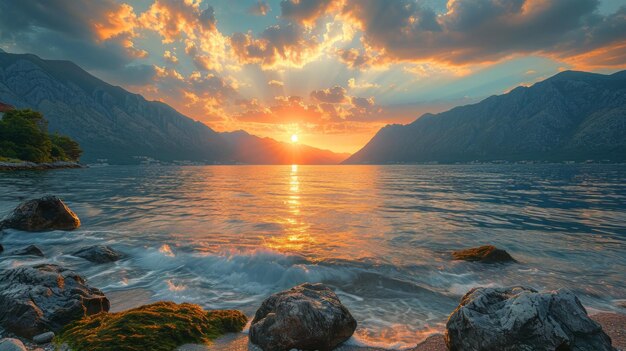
{"x":9,"y":344}
{"x":46,"y":213}
{"x":485,"y":254}
{"x":306,"y":317}
{"x":161,"y":326}
{"x":98,"y":254}
{"x":518,"y":318}
{"x":31,"y":250}
{"x":46,"y":297}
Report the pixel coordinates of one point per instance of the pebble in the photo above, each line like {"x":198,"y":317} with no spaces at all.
{"x":43,"y":338}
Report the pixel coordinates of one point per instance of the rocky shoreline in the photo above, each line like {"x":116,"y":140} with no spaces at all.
{"x":32,"y":166}
{"x":47,"y":307}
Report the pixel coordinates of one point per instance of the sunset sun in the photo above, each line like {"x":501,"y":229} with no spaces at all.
{"x":294,"y":138}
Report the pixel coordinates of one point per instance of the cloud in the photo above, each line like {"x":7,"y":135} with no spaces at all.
{"x":206,"y":96}
{"x":334,"y":95}
{"x":98,"y":35}
{"x":305,"y":11}
{"x":275,"y":83}
{"x":475,"y":31}
{"x":355,"y":59}
{"x":185,"y":21}
{"x":353,"y":84}
{"x":278,"y":45}
{"x":260,"y":8}
{"x":170,"y":57}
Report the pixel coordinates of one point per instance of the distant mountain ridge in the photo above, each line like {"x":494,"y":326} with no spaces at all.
{"x":112,"y":123}
{"x":570,"y":116}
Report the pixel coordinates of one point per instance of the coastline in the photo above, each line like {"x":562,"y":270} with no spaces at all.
{"x":613,"y":323}
{"x":32,"y":166}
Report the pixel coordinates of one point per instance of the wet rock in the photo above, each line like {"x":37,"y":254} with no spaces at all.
{"x":306,"y":317}
{"x":98,"y":254}
{"x":43,"y":338}
{"x":46,"y":213}
{"x":1,"y":248}
{"x":31,"y":250}
{"x":46,"y":297}
{"x":9,"y":344}
{"x":484,"y":254}
{"x":158,"y":326}
{"x":518,"y":318}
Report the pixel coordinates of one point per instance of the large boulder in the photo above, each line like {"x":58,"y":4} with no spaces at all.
{"x":306,"y":317}
{"x":521,"y":319}
{"x":484,"y":254}
{"x":98,"y":254}
{"x":41,"y":298}
{"x":46,"y":213}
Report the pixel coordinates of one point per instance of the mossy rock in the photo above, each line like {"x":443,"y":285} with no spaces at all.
{"x":161,"y":326}
{"x":485,"y":254}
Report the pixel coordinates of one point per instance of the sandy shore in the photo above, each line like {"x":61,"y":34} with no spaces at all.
{"x":613,"y":324}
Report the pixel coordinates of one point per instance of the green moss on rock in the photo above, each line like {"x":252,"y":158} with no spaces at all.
{"x":162,"y":326}
{"x":486,"y":254}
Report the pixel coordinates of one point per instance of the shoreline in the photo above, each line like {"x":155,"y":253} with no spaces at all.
{"x":613,"y":323}
{"x":32,"y":166}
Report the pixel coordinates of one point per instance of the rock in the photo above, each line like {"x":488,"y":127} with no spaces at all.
{"x":1,"y":248}
{"x":9,"y":344}
{"x":484,"y":254}
{"x":43,"y":338}
{"x":46,"y":297}
{"x":31,"y":250}
{"x":306,"y":317}
{"x":46,"y":213}
{"x":157,"y":326}
{"x":98,"y":254}
{"x":518,"y":318}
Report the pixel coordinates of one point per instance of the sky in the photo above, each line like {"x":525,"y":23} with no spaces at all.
{"x":332,"y":72}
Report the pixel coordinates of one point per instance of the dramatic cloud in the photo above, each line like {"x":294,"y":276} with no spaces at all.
{"x":287,"y":44}
{"x":305,"y":11}
{"x":473,"y":31}
{"x":199,"y":94}
{"x":97,"y":35}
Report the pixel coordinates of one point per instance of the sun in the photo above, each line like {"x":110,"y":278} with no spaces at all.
{"x":294,"y":138}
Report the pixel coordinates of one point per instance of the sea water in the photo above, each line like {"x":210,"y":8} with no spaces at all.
{"x":380,"y":236}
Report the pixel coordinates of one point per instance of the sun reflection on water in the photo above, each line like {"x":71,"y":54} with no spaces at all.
{"x":296,"y":236}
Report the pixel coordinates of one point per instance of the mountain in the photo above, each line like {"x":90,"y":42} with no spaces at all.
{"x":112,"y":123}
{"x":252,"y":149}
{"x":570,"y":116}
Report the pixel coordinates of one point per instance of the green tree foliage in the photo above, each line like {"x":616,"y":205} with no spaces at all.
{"x":65,"y":146}
{"x":24,"y":135}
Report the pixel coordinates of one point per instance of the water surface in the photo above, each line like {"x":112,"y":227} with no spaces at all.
{"x":381,"y":236}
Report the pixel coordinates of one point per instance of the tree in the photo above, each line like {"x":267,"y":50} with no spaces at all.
{"x":23,"y":135}
{"x":26,"y":129}
{"x":70,"y":149}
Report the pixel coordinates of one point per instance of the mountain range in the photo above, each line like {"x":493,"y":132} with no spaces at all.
{"x":114,"y":124}
{"x":573,"y":116}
